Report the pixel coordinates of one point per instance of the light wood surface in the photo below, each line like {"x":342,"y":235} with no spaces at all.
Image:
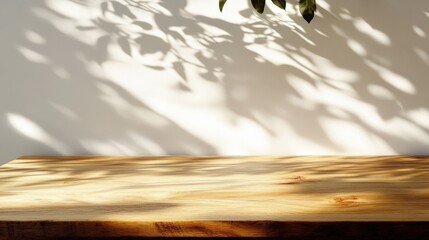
{"x":213,"y":196}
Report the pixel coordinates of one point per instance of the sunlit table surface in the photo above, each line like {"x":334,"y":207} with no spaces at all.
{"x":193,"y":196}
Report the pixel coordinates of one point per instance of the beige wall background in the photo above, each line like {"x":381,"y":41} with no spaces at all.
{"x":131,"y":77}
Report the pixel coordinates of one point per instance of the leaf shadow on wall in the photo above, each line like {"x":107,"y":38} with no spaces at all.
{"x":272,"y":74}
{"x":52,"y":102}
{"x":374,"y":99}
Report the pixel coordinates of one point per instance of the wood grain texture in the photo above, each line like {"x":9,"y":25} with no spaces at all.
{"x":291,"y":197}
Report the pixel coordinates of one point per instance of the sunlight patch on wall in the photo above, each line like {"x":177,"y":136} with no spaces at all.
{"x":33,"y":131}
{"x":159,"y":86}
{"x":365,"y":112}
{"x":214,"y":31}
{"x":242,"y":136}
{"x":419,"y":31}
{"x":61,"y":72}
{"x":130,"y":111}
{"x":420,"y":116}
{"x":246,"y":136}
{"x":394,"y":79}
{"x":201,"y":113}
{"x":307,"y":90}
{"x":328,"y":69}
{"x":32,"y":55}
{"x":271,"y":55}
{"x":338,"y":112}
{"x":322,"y":4}
{"x":352,"y":138}
{"x":231,"y":12}
{"x":70,"y":21}
{"x":284,"y":139}
{"x":405,"y":129}
{"x":356,"y":47}
{"x":34,"y":37}
{"x":380,"y":92}
{"x":228,"y":134}
{"x":71,"y":9}
{"x":377,"y":35}
{"x":424,"y":56}
{"x":301,"y":103}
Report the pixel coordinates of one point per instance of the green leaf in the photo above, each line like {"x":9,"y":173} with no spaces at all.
{"x":259,"y":5}
{"x":280,"y":3}
{"x":307,"y":9}
{"x":221,"y":4}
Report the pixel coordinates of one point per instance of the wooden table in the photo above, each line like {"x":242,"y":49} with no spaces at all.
{"x":292,"y":197}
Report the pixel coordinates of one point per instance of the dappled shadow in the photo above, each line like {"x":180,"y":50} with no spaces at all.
{"x":55,"y":100}
{"x":154,"y":77}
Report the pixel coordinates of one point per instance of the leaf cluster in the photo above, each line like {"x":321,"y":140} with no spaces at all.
{"x":306,"y":7}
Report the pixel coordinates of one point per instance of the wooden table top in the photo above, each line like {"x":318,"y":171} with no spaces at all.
{"x":209,"y":196}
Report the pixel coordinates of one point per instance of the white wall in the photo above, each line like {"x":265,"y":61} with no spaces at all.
{"x":177,"y":77}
